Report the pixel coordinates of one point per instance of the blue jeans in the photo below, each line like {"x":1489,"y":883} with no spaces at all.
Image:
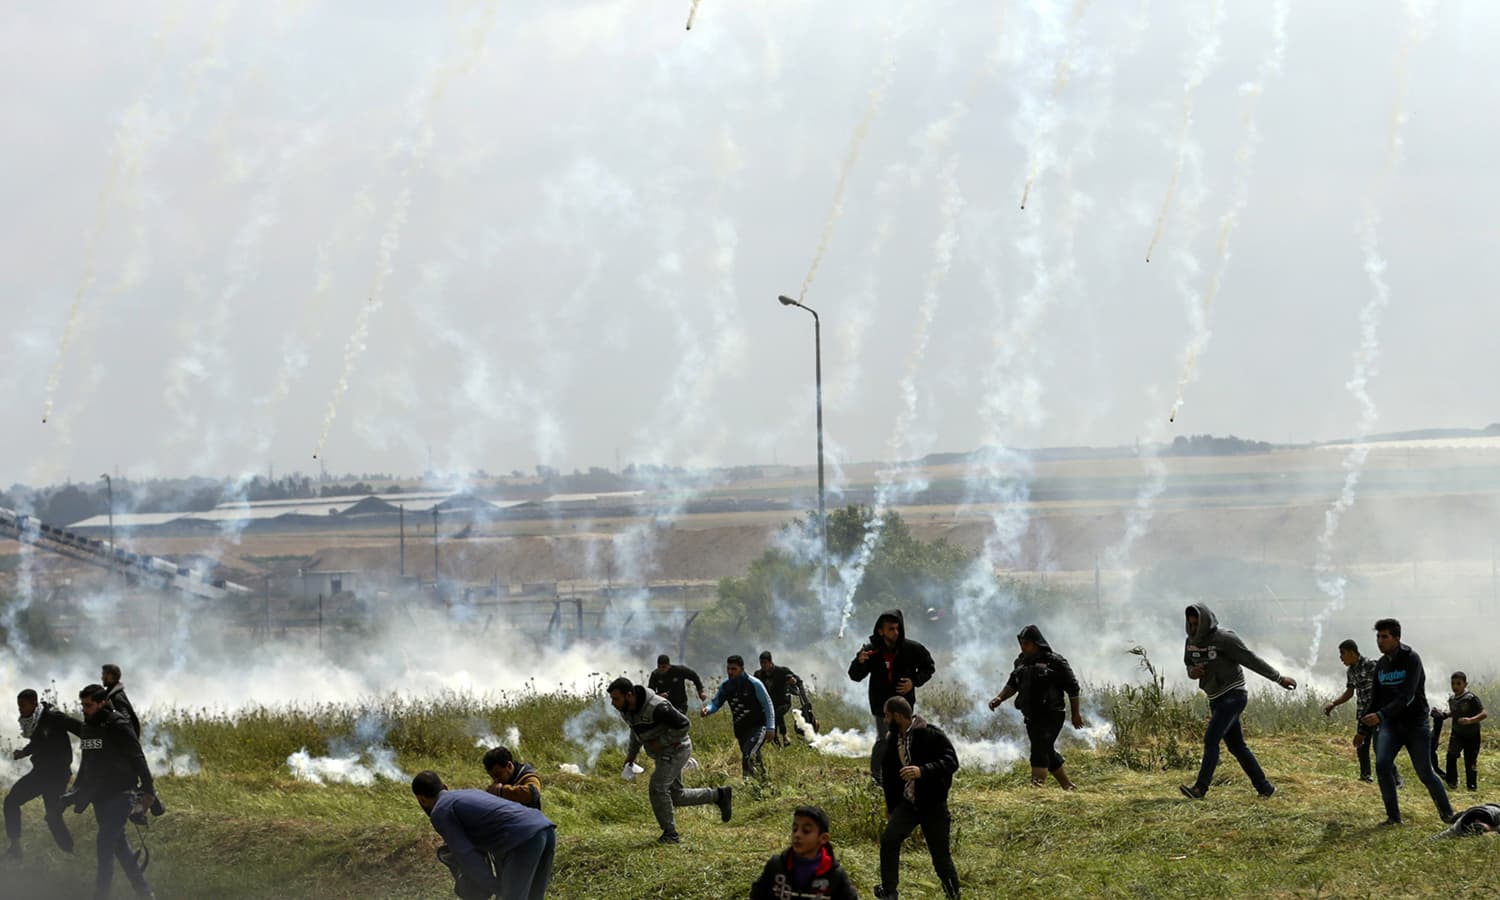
{"x":1224,"y":725}
{"x":1418,"y":743}
{"x":525,"y":871}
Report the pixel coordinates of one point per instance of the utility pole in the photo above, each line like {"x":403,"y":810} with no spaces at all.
{"x":402,"y":508}
{"x":434,"y":547}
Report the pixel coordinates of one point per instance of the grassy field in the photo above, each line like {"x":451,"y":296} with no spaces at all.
{"x":245,"y":827}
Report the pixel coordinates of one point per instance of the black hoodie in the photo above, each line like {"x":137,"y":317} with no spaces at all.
{"x":112,"y":759}
{"x":121,"y":703}
{"x":1401,"y":688}
{"x":50,"y":749}
{"x":1041,"y":681}
{"x":929,"y":749}
{"x":778,"y":880}
{"x":885,"y":667}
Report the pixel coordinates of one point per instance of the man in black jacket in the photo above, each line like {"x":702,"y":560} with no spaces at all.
{"x":671,"y":682}
{"x":51,"y":752}
{"x":114,"y":778}
{"x":1400,"y":714}
{"x":780,"y":682}
{"x":918,"y":765}
{"x":1038,"y":681}
{"x":110,"y":675}
{"x":896,"y":667}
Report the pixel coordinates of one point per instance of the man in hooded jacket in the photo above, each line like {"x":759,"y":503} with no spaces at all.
{"x":918,"y":764}
{"x":111,"y":775}
{"x":1214,"y":658}
{"x":46,"y":730}
{"x":109,"y":675}
{"x":1038,"y":681}
{"x":896,"y":667}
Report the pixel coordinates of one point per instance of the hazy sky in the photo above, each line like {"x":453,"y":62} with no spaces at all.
{"x":555,"y":232}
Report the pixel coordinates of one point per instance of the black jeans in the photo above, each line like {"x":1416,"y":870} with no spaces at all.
{"x":936,"y":828}
{"x":780,"y":714}
{"x":1043,"y":730}
{"x":1363,"y":752}
{"x":111,"y":813}
{"x":1224,"y":725}
{"x":49,"y":786}
{"x":1468,"y":745}
{"x":751,"y":741}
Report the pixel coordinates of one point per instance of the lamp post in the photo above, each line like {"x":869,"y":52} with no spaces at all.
{"x":434,"y":548}
{"x":109,"y":491}
{"x":818,"y":382}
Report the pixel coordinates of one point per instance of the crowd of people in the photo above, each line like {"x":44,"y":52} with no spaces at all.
{"x":113,"y":776}
{"x":498,"y":842}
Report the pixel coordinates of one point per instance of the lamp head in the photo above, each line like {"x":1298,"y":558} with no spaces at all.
{"x":787,"y":301}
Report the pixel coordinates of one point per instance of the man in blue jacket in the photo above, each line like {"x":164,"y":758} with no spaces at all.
{"x":750,"y":705}
{"x":1400,"y":713}
{"x":493,"y":846}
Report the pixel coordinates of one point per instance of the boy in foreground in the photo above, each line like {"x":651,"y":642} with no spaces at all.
{"x":806,"y":869}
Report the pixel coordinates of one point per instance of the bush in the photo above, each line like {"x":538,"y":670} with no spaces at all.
{"x":1154,"y":730}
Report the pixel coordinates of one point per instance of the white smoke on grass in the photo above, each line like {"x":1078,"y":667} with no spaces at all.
{"x":594,"y":729}
{"x":1199,"y":67}
{"x":569,"y":769}
{"x":1244,"y":159}
{"x":164,"y":757}
{"x":488,"y":740}
{"x":359,"y":759}
{"x":1367,"y":357}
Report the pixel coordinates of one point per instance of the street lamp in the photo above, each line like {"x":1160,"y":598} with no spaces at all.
{"x":818,"y":381}
{"x":434,"y":548}
{"x":109,"y":491}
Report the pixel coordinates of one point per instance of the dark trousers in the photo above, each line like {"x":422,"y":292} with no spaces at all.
{"x":1468,"y":745}
{"x":525,"y":871}
{"x":877,"y":753}
{"x":1224,"y":725}
{"x":1418,"y":744}
{"x":780,"y":716}
{"x":751,"y":740}
{"x":936,"y":827}
{"x":49,"y":787}
{"x":111,"y":813}
{"x":1042,"y":730}
{"x":1363,"y":752}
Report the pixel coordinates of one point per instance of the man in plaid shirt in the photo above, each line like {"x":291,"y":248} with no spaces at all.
{"x":1360,"y":686}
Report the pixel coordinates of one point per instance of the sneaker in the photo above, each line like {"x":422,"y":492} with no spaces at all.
{"x":669,"y":837}
{"x":882,"y":894}
{"x":725,"y":803}
{"x":1268,"y":792}
{"x":1366,"y":779}
{"x":1450,"y":818}
{"x":1391,"y":823}
{"x":1190,"y":792}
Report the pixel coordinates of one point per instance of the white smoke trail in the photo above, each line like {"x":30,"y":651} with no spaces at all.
{"x":1202,"y":64}
{"x":390,"y":241}
{"x":1366,"y":358}
{"x":1041,"y":150}
{"x":884,"y":76}
{"x":1240,"y":197}
{"x":902,"y":445}
{"x":692,"y":14}
{"x":361,"y":769}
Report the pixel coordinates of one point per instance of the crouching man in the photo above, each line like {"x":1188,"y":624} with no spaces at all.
{"x":494,"y":847}
{"x":512,"y":779}
{"x":656,"y":725}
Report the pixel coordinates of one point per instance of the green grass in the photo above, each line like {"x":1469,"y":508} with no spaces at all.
{"x":245,"y":828}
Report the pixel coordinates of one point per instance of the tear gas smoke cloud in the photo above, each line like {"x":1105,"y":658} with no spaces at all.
{"x":1198,"y":70}
{"x":1244,"y":159}
{"x":361,"y":769}
{"x":420,"y":145}
{"x":883,"y":79}
{"x":595,"y":729}
{"x":1366,"y":358}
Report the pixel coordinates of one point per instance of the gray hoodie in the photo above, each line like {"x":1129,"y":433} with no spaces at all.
{"x":1221,"y":653}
